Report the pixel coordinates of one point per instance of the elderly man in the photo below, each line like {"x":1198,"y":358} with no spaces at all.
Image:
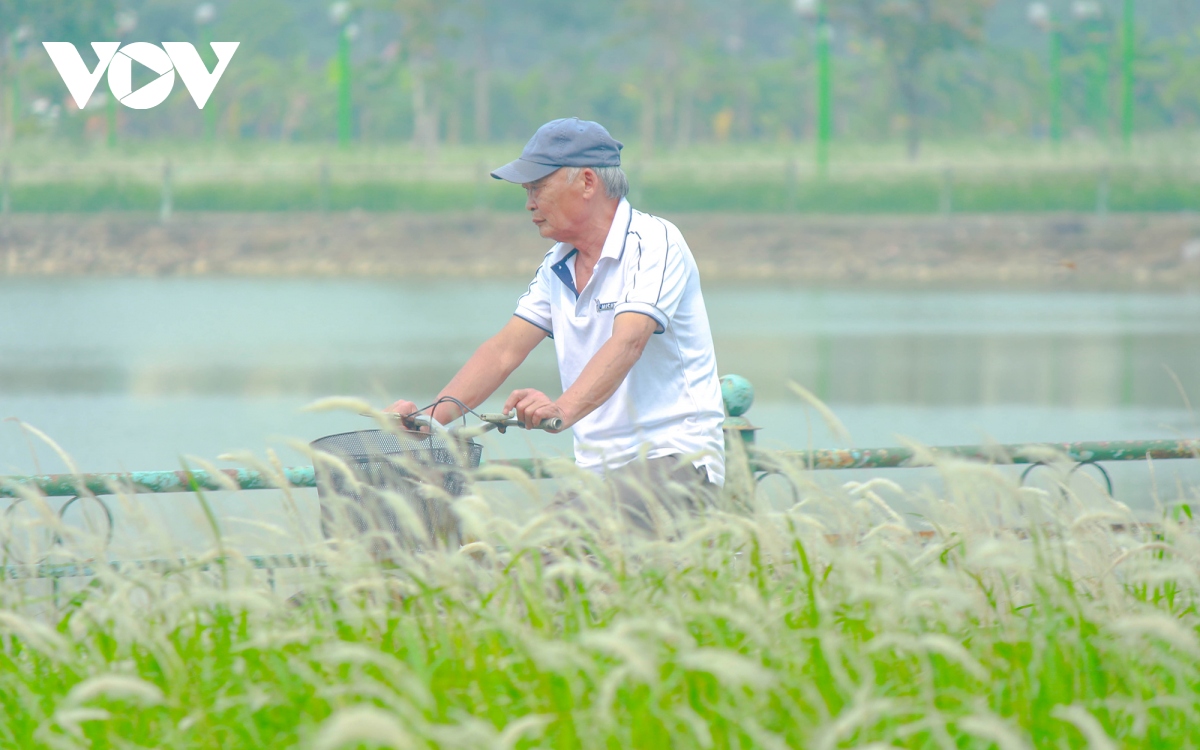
{"x":620,"y":295}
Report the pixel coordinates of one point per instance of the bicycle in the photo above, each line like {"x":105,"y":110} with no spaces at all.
{"x":412,"y":459}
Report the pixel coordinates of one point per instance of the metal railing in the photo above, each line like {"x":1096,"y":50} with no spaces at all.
{"x":1031,"y":454}
{"x":762,"y":463}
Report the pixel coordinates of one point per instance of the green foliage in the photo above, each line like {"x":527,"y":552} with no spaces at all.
{"x":910,"y":34}
{"x":663,"y":72}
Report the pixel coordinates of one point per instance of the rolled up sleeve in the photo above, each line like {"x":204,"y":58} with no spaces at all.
{"x":534,"y":305}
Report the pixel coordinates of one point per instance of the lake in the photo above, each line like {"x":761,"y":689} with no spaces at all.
{"x":133,"y":374}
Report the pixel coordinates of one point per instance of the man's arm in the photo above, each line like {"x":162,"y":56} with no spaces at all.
{"x":601,"y":376}
{"x":487,"y":368}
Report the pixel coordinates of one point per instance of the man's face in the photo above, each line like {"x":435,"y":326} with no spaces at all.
{"x":557,"y":205}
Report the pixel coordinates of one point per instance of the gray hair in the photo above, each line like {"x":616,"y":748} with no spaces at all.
{"x":616,"y":185}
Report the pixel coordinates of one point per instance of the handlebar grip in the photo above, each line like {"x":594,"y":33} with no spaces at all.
{"x":553,"y":423}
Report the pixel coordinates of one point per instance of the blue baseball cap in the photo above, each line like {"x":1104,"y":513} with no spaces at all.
{"x":569,"y":142}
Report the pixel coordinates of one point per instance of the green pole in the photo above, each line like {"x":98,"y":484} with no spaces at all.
{"x":1127,"y":77}
{"x":824,"y":89}
{"x":1056,"y":129}
{"x":1097,"y":69}
{"x":15,"y":104}
{"x":1100,"y":87}
{"x":344,"y":88}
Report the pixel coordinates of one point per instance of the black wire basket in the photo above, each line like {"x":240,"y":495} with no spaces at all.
{"x":404,"y":464}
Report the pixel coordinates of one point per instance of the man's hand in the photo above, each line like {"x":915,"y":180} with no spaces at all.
{"x":533,"y":406}
{"x":403,"y":408}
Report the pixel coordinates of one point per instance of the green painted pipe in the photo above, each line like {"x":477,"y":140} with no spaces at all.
{"x":89,"y":569}
{"x":70,"y":485}
{"x":1088,"y":452}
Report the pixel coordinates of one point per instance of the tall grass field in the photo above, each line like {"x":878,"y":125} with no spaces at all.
{"x":998,"y":616}
{"x":773,"y":192}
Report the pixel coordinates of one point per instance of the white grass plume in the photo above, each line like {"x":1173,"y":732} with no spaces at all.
{"x":638,"y":659}
{"x":992,"y":727}
{"x":860,"y":715}
{"x":834,"y":425}
{"x":37,"y":635}
{"x":728,"y":667}
{"x":1159,"y":626}
{"x":867,"y":491}
{"x":1087,"y":725}
{"x":952,"y":650}
{"x":522,"y":728}
{"x":62,"y":454}
{"x":115,"y":687}
{"x":218,"y":477}
{"x":362,"y":725}
{"x":342,"y":403}
{"x":70,"y":719}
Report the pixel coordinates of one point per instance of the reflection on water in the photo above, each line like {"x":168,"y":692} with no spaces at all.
{"x":133,"y":374}
{"x":275,"y":338}
{"x":145,"y":354}
{"x":962,"y":369}
{"x":935,"y":369}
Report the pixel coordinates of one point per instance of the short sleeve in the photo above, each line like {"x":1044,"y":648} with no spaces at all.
{"x":658,"y":279}
{"x":534,"y":305}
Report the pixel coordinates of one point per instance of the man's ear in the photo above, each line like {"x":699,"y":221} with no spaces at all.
{"x":591,"y":181}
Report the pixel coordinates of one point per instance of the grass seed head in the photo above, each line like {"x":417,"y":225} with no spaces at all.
{"x":728,"y":667}
{"x":115,"y":687}
{"x":362,"y":725}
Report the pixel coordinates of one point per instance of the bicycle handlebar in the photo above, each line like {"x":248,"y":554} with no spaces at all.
{"x":490,"y":422}
{"x":503,"y":420}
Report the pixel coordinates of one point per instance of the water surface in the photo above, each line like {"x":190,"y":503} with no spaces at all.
{"x":131,"y":374}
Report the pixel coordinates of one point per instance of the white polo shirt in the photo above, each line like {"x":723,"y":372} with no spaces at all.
{"x":670,"y":402}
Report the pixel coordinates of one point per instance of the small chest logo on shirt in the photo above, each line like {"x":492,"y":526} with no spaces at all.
{"x":602,"y":306}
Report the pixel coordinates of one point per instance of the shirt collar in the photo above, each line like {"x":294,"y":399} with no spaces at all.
{"x":614,"y":243}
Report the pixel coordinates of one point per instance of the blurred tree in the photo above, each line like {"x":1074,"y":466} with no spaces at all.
{"x":1168,"y":80}
{"x":424,"y":26}
{"x":913,"y":31}
{"x":671,"y":70}
{"x":75,"y":21}
{"x":663,"y":34}
{"x":481,"y":16}
{"x":25,"y":22}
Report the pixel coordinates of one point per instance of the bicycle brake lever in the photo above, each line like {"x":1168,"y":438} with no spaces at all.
{"x":407,"y":421}
{"x":504,"y":420}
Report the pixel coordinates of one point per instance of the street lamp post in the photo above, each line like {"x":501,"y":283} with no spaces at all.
{"x":1040,"y":16}
{"x":815,"y":9}
{"x":339,"y":13}
{"x":205,"y":13}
